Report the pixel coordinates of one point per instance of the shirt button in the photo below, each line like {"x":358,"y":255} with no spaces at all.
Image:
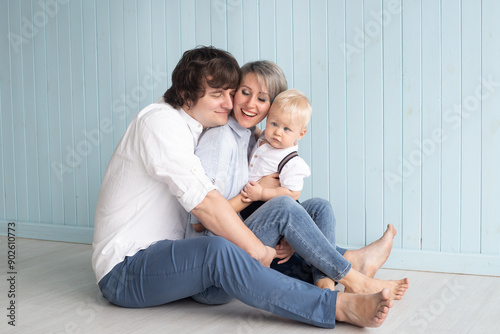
{"x":251,"y":165}
{"x":255,"y":156}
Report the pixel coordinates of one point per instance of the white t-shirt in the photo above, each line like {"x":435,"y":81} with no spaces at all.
{"x":153,"y":180}
{"x":264,"y":160}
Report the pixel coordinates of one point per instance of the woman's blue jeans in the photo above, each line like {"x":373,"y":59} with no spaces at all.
{"x":171,"y":270}
{"x":308,"y":227}
{"x":322,"y":214}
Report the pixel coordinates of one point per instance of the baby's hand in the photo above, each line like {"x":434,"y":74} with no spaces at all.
{"x":252,"y":192}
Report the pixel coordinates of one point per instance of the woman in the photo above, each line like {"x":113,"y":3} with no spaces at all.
{"x":154,"y":180}
{"x":311,"y":232}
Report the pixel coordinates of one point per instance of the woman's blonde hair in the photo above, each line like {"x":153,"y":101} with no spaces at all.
{"x":267,"y":73}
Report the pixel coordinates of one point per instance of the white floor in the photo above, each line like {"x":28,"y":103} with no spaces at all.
{"x":56,"y":293}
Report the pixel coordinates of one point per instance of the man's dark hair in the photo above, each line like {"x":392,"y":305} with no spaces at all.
{"x":216,"y":67}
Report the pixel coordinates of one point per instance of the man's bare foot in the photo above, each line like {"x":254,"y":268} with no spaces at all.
{"x":326,"y":283}
{"x":363,"y":310}
{"x":356,"y":282}
{"x":369,"y":259}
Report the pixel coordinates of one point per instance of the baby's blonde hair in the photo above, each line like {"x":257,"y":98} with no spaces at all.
{"x":295,"y":103}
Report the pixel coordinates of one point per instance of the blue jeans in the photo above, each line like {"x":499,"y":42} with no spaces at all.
{"x":171,"y":270}
{"x":322,"y":215}
{"x":308,"y":227}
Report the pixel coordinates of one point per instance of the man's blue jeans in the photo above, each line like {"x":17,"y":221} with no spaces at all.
{"x":171,"y":270}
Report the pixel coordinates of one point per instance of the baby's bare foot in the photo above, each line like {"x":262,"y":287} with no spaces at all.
{"x":369,"y":259}
{"x":363,"y":310}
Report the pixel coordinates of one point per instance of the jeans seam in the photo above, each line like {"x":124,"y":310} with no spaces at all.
{"x":311,"y":250}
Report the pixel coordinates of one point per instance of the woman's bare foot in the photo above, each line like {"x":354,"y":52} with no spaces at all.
{"x":369,"y":259}
{"x":356,"y":282}
{"x":326,"y":283}
{"x":363,"y":310}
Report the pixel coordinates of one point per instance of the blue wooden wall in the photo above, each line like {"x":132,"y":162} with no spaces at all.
{"x":405,"y":95}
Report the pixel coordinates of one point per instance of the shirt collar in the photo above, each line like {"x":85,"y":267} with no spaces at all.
{"x":194,"y":126}
{"x":237,"y":128}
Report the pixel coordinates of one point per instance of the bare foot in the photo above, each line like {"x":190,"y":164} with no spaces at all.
{"x":363,"y":310}
{"x":369,"y":259}
{"x":356,"y":282}
{"x":326,"y":283}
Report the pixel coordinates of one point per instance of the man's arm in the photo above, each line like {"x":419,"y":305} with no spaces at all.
{"x":216,"y":215}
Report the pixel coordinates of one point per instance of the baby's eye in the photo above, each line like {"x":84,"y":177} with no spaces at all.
{"x":287,"y":129}
{"x":274,"y":124}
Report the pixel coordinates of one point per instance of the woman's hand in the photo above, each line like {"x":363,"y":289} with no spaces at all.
{"x":284,"y":251}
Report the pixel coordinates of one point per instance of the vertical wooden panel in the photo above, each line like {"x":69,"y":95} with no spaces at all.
{"x":121,"y":106}
{"x":302,"y":72}
{"x":234,"y":15}
{"x":451,"y":104}
{"x":172,"y":19}
{"x":203,"y":25}
{"x":431,"y":125}
{"x":19,"y":131}
{"x":80,"y":133}
{"x":284,"y":39}
{"x":218,"y":25}
{"x":158,"y":77}
{"x":104,"y":112}
{"x":490,"y":211}
{"x":30,"y":125}
{"x":91,"y":100}
{"x":45,"y":165}
{"x":355,"y":126}
{"x":470,"y":237}
{"x":337,"y":116}
{"x":77,"y":150}
{"x":251,"y":29}
{"x":318,"y":127}
{"x":9,"y":42}
{"x":392,"y":91}
{"x":58,"y":154}
{"x":267,"y":30}
{"x":145,"y":54}
{"x":374,"y":119}
{"x":187,"y":17}
{"x":411,"y":113}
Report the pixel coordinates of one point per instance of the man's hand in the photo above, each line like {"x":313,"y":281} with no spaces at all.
{"x":284,"y":251}
{"x":270,"y":181}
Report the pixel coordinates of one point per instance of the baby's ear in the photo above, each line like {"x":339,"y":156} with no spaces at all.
{"x":302,"y":133}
